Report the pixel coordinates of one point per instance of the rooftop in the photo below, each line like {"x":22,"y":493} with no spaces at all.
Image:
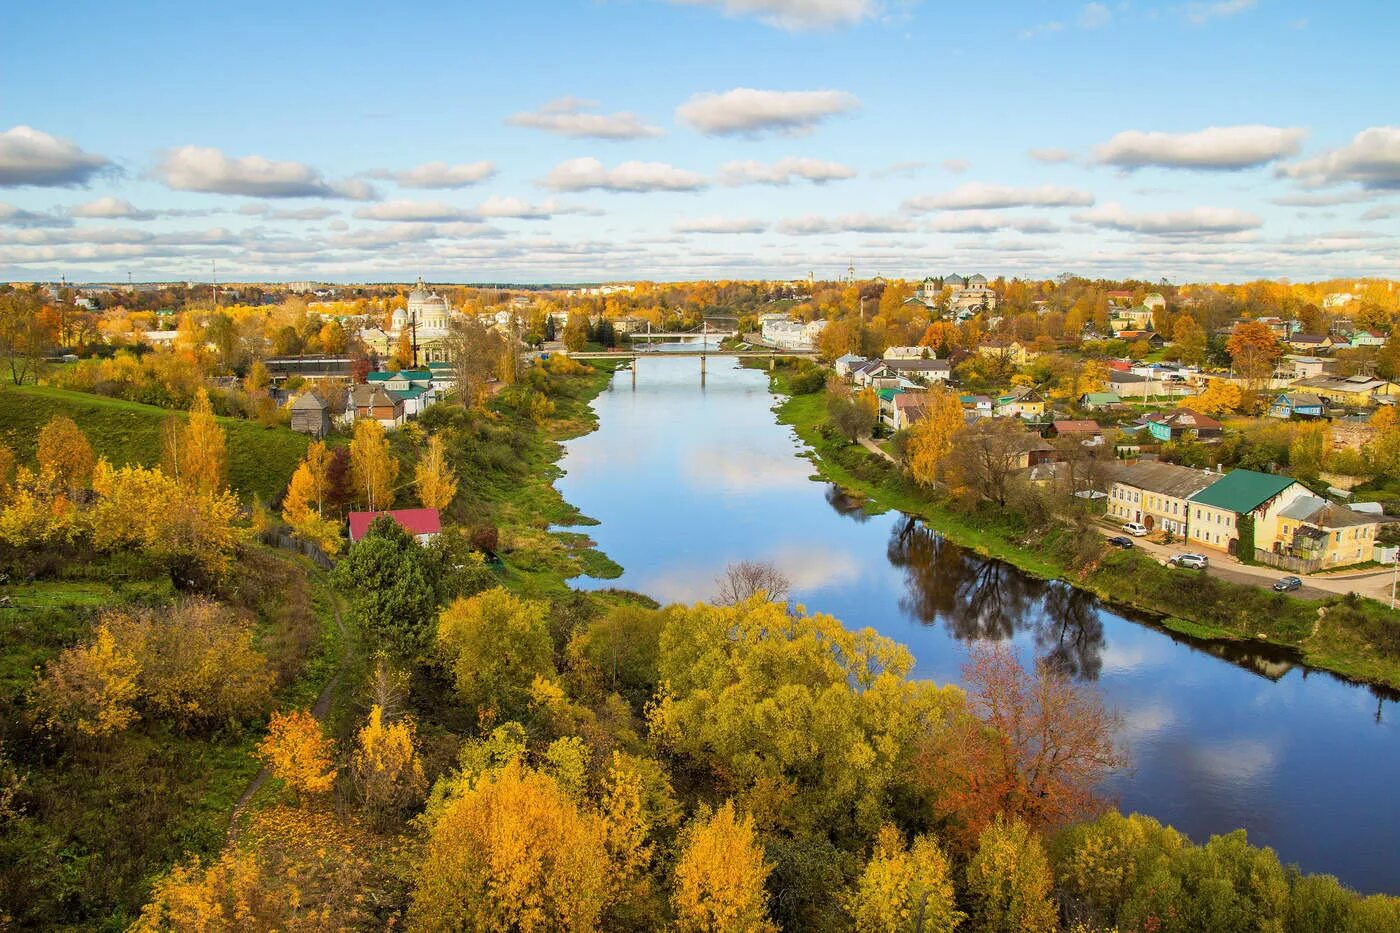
{"x":1167,"y":479}
{"x":1242,"y":491}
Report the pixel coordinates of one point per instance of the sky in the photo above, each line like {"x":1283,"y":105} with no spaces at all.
{"x":607,"y":140}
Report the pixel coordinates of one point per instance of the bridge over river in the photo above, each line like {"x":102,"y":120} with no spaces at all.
{"x":770,"y":354}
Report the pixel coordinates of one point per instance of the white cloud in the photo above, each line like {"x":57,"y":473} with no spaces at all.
{"x":413,"y":211}
{"x":567,"y":116}
{"x":12,"y":216}
{"x":1216,"y":147}
{"x":200,"y":168}
{"x":812,"y":224}
{"x":110,"y":208}
{"x":1050,"y":155}
{"x":720,"y":225}
{"x":257,"y":209}
{"x":1042,"y":29}
{"x":956,"y":166}
{"x":1195,"y":220}
{"x":520,"y":209}
{"x":783,"y":171}
{"x":746,"y":111}
{"x":988,"y":222}
{"x":1371,"y":159}
{"x":976,"y":195}
{"x":794,"y":14}
{"x":588,"y":173}
{"x":30,"y":157}
{"x":1200,"y":13}
{"x":900,"y":170}
{"x":1094,"y":16}
{"x":440,"y":175}
{"x":1382,"y":212}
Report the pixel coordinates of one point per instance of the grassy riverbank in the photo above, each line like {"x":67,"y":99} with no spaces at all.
{"x":1353,"y":637}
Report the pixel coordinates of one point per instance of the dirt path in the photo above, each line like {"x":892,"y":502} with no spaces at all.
{"x":874,"y":448}
{"x":320,"y":710}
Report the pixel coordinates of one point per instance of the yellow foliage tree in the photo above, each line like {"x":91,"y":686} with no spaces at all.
{"x":513,"y":853}
{"x":65,"y":456}
{"x":931,"y":437}
{"x":1093,"y":377}
{"x":298,"y":752}
{"x":720,"y":876}
{"x":35,"y":513}
{"x":1220,"y":396}
{"x":437,"y":485}
{"x":204,"y":465}
{"x":372,"y":467}
{"x":89,"y":689}
{"x":905,"y":889}
{"x":385,"y":767}
{"x":7,"y":467}
{"x":1009,"y":882}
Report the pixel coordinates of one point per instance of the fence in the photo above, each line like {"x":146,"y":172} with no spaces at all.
{"x":288,"y":542}
{"x":1287,"y":561}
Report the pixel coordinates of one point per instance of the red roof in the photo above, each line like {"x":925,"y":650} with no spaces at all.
{"x":1077,"y":427}
{"x":414,"y":521}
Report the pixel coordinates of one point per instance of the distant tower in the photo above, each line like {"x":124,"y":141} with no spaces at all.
{"x":851,"y":272}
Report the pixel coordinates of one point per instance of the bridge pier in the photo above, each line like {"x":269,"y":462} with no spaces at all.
{"x":635,"y":360}
{"x":772,"y":361}
{"x":702,"y":370}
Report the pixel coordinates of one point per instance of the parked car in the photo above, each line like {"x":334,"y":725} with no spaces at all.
{"x":1120,"y":541}
{"x":1191,"y":561}
{"x":1288,"y":584}
{"x":1136,"y":529}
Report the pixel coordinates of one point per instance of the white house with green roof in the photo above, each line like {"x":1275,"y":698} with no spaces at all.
{"x":1218,"y":510}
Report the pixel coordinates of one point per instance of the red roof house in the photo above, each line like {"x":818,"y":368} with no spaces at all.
{"x":421,"y":524}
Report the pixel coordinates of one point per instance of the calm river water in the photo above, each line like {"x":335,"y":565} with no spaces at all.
{"x":686,"y":478}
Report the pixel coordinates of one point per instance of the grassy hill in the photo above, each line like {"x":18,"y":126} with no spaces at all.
{"x":261,"y":459}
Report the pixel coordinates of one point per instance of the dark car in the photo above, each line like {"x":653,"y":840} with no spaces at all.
{"x":1120,"y":541}
{"x":1287,"y":584}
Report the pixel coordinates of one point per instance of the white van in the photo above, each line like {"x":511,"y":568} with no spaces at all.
{"x":1136,"y":529}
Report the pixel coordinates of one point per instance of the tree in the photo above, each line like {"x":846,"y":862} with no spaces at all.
{"x":575,"y":335}
{"x":309,"y":485}
{"x":942,"y":337}
{"x":1093,"y":377}
{"x":298,"y":752}
{"x":1009,"y":883}
{"x":65,"y":456}
{"x":24,"y":337}
{"x":392,"y":585}
{"x":720,"y":876}
{"x":1253,"y":350}
{"x":437,"y":485}
{"x":745,"y":579}
{"x":474,"y":350}
{"x":496,"y":644}
{"x":1220,"y":396}
{"x":1189,"y":340}
{"x":385,"y":767}
{"x":852,"y":414}
{"x":372,"y":467}
{"x":904,"y":890}
{"x":89,"y":690}
{"x":512,"y":852}
{"x":402,"y":357}
{"x":930,"y":439}
{"x":7,"y":467}
{"x":258,"y":378}
{"x":985,"y":456}
{"x":204,"y":466}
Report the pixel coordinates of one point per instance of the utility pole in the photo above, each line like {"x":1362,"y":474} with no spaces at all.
{"x":214,"y":269}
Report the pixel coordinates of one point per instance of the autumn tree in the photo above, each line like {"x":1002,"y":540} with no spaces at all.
{"x":905,"y":889}
{"x":1093,"y":377}
{"x":985,"y":457}
{"x":942,"y":337}
{"x":575,"y":334}
{"x":65,"y":456}
{"x":385,"y":767}
{"x":745,"y":579}
{"x":852,"y":414}
{"x":24,"y":335}
{"x":930,"y":439}
{"x":297,"y":751}
{"x":89,"y":690}
{"x":7,"y":467}
{"x":436,"y":483}
{"x":1253,"y":350}
{"x":1009,"y":883}
{"x":196,"y":455}
{"x":720,"y":875}
{"x":1189,"y":340}
{"x":496,"y":644}
{"x":372,"y":467}
{"x":1221,"y":396}
{"x":392,"y":584}
{"x":513,"y":851}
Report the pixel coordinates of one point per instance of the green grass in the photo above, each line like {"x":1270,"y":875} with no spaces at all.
{"x":261,"y":459}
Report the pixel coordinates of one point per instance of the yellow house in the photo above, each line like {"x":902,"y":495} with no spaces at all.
{"x":1024,"y":402}
{"x":1355,"y":390}
{"x":1012,"y":350}
{"x":1156,"y":494}
{"x":1314,"y":529}
{"x":1217,"y":510}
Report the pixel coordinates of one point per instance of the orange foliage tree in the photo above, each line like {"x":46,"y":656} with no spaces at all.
{"x":298,"y":752}
{"x":720,"y":876}
{"x":65,"y":456}
{"x":90,"y":689}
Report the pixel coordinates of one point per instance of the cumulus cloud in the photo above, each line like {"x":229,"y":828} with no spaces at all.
{"x":12,"y":216}
{"x":30,"y":157}
{"x":847,"y":223}
{"x":413,"y":211}
{"x":720,"y":225}
{"x":568,"y":116}
{"x":110,"y":208}
{"x":1371,"y":159}
{"x":1217,"y":147}
{"x":201,"y":168}
{"x":1195,"y":220}
{"x":989,"y":222}
{"x":1050,"y":156}
{"x":589,"y":173}
{"x":783,"y":171}
{"x":794,"y":14}
{"x":256,"y":209}
{"x":438,"y":175}
{"x":511,"y":208}
{"x":978,"y":195}
{"x":1200,"y":13}
{"x":749,"y":112}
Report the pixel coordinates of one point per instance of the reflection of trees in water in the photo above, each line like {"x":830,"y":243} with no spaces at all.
{"x":988,"y":600}
{"x":846,"y":505}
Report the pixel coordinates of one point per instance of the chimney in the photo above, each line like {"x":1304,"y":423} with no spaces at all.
{"x":1218,"y":469}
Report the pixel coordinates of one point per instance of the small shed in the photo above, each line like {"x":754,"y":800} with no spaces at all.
{"x":311,"y":415}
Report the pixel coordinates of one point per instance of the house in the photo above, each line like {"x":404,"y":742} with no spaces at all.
{"x":1089,"y":432}
{"x":1129,"y":384}
{"x":414,"y":387}
{"x":844,"y":364}
{"x":1183,"y":424}
{"x":374,"y":401}
{"x":1355,"y":390}
{"x":780,"y":332}
{"x":1157,"y":494}
{"x":1310,"y":343}
{"x":979,"y":405}
{"x":1100,"y":401}
{"x":908,"y":408}
{"x":1154,"y":301}
{"x":1367,"y":338}
{"x":906,"y":353}
{"x":1314,"y":529}
{"x":1300,"y":405}
{"x":929,"y":370}
{"x":866,"y":374}
{"x":1138,"y":319}
{"x":1218,"y":510}
{"x":1153,"y":339}
{"x":1013,"y":351}
{"x":423,"y":525}
{"x":1304,"y":367}
{"x":1024,"y":402}
{"x":1031,"y":450}
{"x":311,"y":415}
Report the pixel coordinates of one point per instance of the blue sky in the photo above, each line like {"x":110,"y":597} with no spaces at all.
{"x":613,"y":139}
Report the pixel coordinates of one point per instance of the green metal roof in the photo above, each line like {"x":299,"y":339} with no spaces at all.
{"x":888,"y":394}
{"x":1242,"y":491}
{"x":1102,"y":398}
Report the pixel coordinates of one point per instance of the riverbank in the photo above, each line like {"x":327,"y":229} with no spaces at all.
{"x":1354,"y":638}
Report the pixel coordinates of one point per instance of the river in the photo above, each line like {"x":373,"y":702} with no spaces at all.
{"x":686,"y":478}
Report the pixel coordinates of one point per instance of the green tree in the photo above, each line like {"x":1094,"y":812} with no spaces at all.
{"x":496,"y":644}
{"x":1009,"y":882}
{"x":392,"y":587}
